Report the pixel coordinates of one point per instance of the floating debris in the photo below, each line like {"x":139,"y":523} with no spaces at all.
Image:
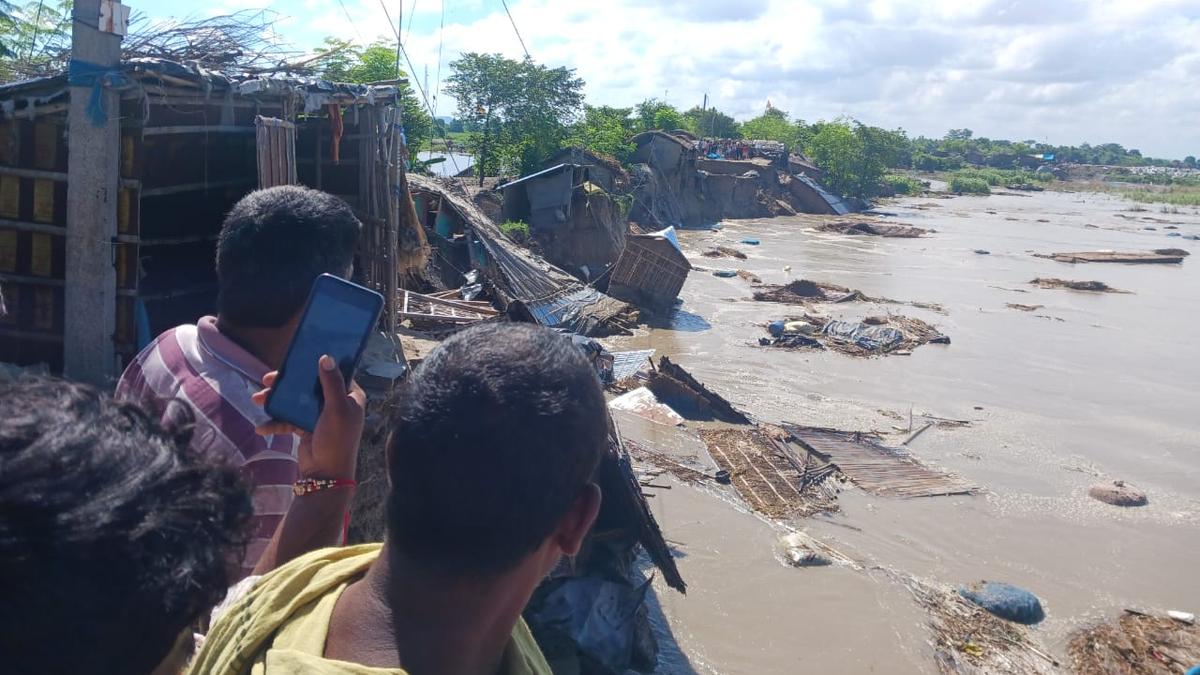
{"x":796,"y":552}
{"x":1118,"y":493}
{"x":967,"y":639}
{"x":642,"y":402}
{"x":1093,"y":286}
{"x":677,"y":388}
{"x":1136,"y":643}
{"x":767,"y":479}
{"x":749,"y":276}
{"x":873,"y":336}
{"x":1173,"y":256}
{"x":1005,"y":601}
{"x":880,"y":470}
{"x":751,"y":242}
{"x":724,"y":251}
{"x":725,"y":274}
{"x":1024,"y":308}
{"x":852,"y":227}
{"x":805,"y":292}
{"x":982,"y":251}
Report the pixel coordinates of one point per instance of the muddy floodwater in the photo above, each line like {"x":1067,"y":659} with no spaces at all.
{"x":1089,"y":387}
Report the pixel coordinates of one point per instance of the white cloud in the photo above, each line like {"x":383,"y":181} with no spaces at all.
{"x":1066,"y":70}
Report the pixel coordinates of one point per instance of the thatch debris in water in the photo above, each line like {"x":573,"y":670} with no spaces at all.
{"x":803,"y":291}
{"x":967,"y":639}
{"x":724,"y":251}
{"x":1024,"y":308}
{"x":1093,"y":286}
{"x":1167,"y":256}
{"x":873,"y":336}
{"x":880,"y":470}
{"x":766,"y":479}
{"x":859,"y":227}
{"x":1136,"y":644}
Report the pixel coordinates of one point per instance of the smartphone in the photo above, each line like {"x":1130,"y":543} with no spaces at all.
{"x":338,"y":320}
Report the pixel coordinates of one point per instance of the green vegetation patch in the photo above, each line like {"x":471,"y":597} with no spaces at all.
{"x":516,"y":230}
{"x":903,"y":185}
{"x":972,"y":185}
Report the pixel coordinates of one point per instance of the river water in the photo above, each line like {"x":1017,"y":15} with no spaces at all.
{"x":1091,"y":387}
{"x":454,"y":163}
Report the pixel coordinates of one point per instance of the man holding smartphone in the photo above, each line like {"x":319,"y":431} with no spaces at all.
{"x":272,"y":245}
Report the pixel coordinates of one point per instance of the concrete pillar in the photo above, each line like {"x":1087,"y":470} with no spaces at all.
{"x":93,"y":174}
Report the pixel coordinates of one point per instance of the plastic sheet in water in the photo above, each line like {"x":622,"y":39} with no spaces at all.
{"x":871,"y":338}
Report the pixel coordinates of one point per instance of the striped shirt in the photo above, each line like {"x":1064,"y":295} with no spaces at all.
{"x":215,"y":376}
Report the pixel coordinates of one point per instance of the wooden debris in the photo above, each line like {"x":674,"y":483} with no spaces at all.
{"x":967,"y":639}
{"x":677,"y":388}
{"x":764,"y":477}
{"x":880,"y":470}
{"x":1116,"y":257}
{"x":724,"y":251}
{"x":1024,"y":308}
{"x":1094,"y":286}
{"x":1137,"y":643}
{"x":432,"y":311}
{"x":852,"y":227}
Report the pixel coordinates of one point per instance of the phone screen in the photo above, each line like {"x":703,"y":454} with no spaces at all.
{"x":337,"y":321}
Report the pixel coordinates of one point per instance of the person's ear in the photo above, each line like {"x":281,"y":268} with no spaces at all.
{"x":578,"y":521}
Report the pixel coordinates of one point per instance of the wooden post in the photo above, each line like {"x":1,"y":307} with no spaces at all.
{"x":93,"y":173}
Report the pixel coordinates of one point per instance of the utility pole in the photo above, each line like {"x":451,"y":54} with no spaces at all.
{"x":93,"y":181}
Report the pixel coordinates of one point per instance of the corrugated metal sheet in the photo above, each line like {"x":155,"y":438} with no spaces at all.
{"x":627,"y":364}
{"x":836,"y":203}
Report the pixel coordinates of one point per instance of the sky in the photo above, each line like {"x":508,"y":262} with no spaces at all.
{"x":1060,"y":71}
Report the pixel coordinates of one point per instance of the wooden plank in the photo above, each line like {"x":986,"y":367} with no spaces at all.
{"x":197,"y":129}
{"x":197,"y":187}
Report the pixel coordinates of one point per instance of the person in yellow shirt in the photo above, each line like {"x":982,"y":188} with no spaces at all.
{"x":493,"y":444}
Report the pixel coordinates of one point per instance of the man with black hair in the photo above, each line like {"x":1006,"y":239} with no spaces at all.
{"x":116,"y":536}
{"x":492,"y":449}
{"x":113,"y":537}
{"x":272,"y":245}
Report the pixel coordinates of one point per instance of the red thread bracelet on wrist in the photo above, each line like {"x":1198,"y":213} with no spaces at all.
{"x":306,"y":486}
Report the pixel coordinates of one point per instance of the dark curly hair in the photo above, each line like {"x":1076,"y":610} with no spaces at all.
{"x":113,"y":536}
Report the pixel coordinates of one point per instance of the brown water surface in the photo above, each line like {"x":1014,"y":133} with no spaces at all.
{"x":1091,"y":387}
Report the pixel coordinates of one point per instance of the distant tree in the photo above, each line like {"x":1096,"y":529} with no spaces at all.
{"x":523,"y":110}
{"x":604,"y":129}
{"x":34,"y":38}
{"x":1189,"y":161}
{"x":959,"y":135}
{"x":855,"y":157}
{"x":772,"y":125}
{"x":377,"y":63}
{"x":655,"y":114}
{"x":711,"y":123}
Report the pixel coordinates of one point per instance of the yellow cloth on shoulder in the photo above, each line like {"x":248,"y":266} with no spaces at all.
{"x":280,"y":625}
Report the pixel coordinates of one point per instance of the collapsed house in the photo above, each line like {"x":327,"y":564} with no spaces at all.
{"x":651,"y":270}
{"x":672,"y":186}
{"x":87,"y":289}
{"x":575,"y":222}
{"x":526,"y":287}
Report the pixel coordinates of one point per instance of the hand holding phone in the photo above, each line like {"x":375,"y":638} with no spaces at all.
{"x":331,"y":450}
{"x":337,"y":321}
